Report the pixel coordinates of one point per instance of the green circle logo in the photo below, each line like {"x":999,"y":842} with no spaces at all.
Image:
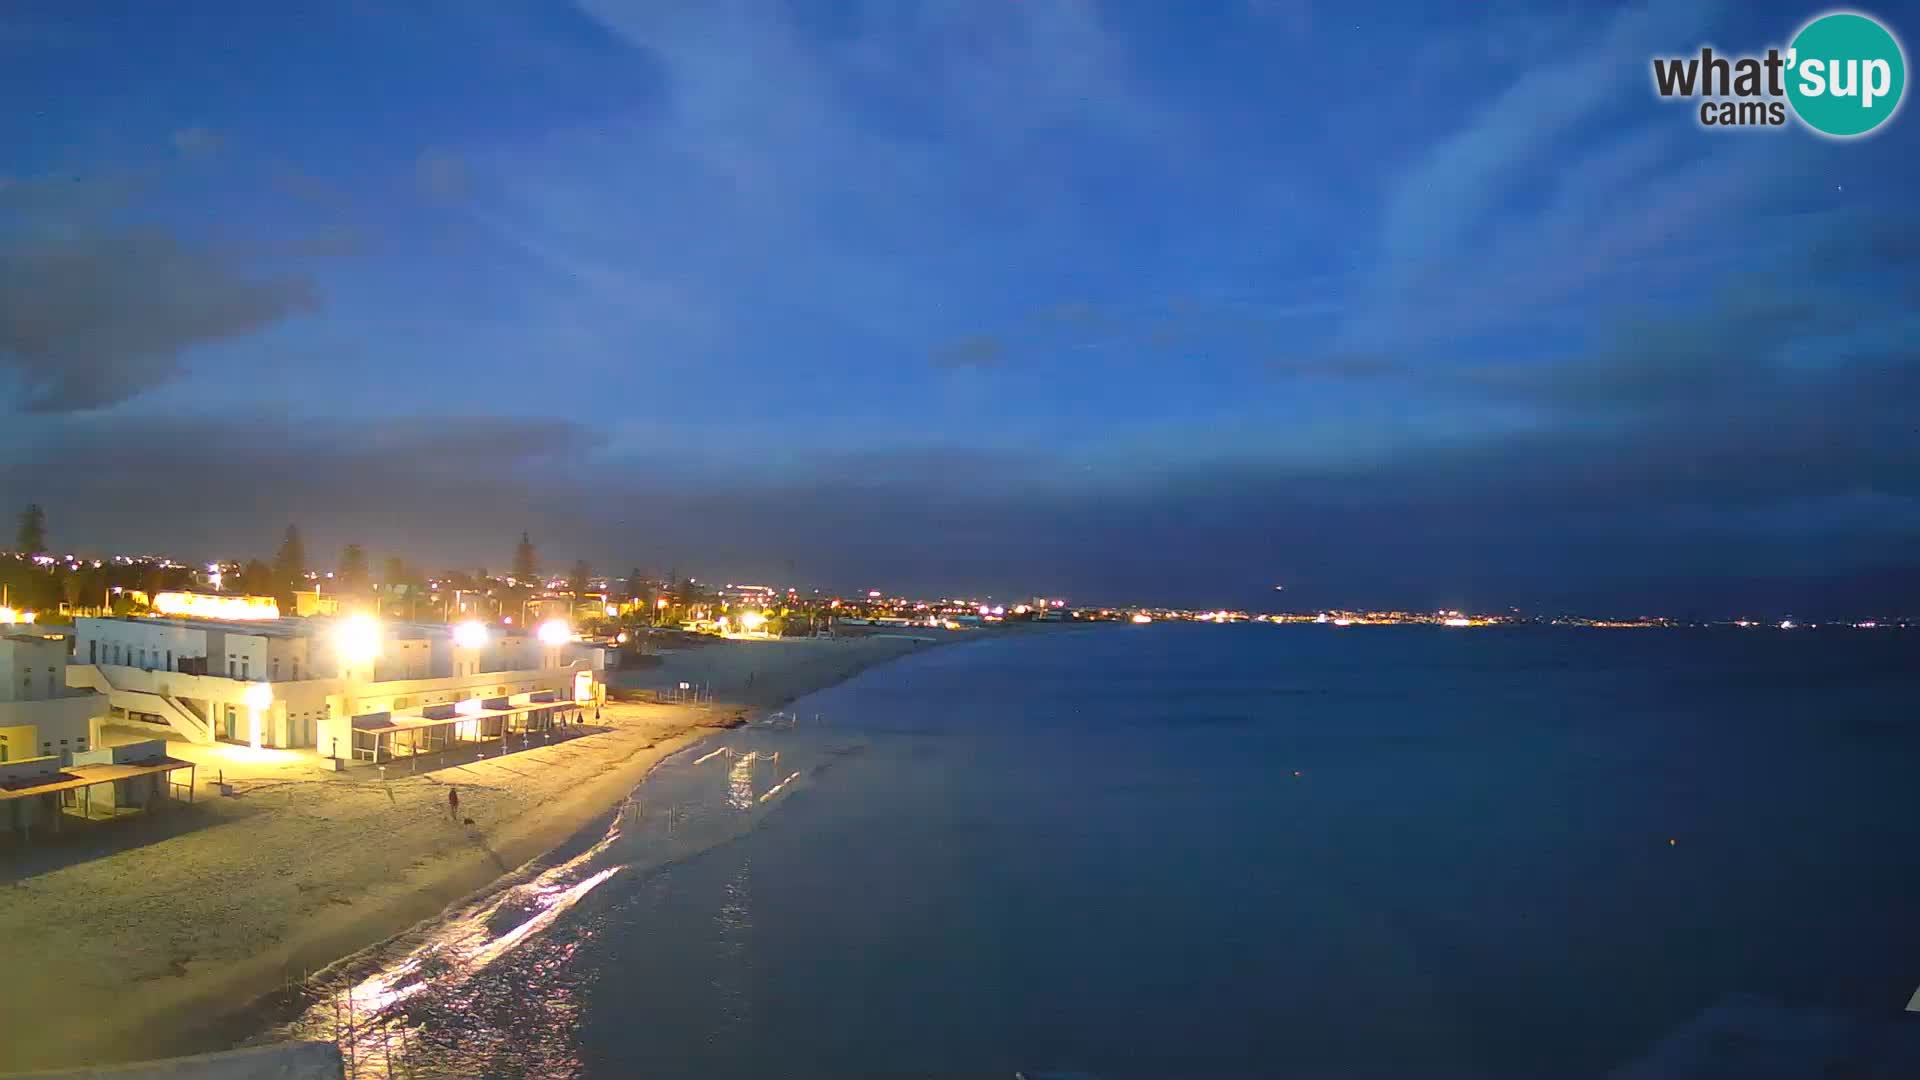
{"x":1845,"y":74}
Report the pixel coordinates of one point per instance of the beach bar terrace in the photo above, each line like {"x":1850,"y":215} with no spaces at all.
{"x":99,"y":783}
{"x":386,"y":736}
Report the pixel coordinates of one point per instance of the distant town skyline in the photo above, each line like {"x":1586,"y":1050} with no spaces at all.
{"x":551,"y":574}
{"x":1088,"y":298}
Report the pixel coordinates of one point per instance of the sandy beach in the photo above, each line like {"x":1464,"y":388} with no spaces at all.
{"x":139,"y":939}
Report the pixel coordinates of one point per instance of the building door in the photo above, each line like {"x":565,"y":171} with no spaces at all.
{"x":230,"y":722}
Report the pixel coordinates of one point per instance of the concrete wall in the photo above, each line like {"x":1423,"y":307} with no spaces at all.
{"x":53,"y":728}
{"x":407,"y":658}
{"x":289,"y":659}
{"x":237,"y":656}
{"x":30,"y":667}
{"x":15,"y":772}
{"x":134,"y":753}
{"x":152,"y":645}
{"x":18,"y":742}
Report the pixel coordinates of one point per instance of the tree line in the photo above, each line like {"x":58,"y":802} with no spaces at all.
{"x":32,"y":580}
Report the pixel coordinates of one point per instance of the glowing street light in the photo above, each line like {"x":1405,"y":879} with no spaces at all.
{"x":752,"y":620}
{"x":554,"y":632}
{"x":258,"y":697}
{"x":471,"y":634}
{"x":357,"y":640}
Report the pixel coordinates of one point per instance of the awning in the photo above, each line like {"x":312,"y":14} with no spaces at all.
{"x":75,"y":777}
{"x":417,"y":721}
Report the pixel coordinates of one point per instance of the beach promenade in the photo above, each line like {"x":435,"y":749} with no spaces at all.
{"x":156,"y":945}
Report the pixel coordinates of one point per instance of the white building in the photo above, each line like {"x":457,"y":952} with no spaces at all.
{"x":40,"y":715}
{"x":289,"y":683}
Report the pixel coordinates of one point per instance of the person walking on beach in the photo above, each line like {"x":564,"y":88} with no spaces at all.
{"x":453,"y":802}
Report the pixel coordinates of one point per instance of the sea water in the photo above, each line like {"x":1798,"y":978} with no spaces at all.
{"x":1187,"y":849}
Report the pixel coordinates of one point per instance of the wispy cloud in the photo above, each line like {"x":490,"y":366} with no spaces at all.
{"x":1523,"y":209}
{"x":980,"y":351}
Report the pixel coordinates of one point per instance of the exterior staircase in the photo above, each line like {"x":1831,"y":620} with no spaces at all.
{"x":183,"y":718}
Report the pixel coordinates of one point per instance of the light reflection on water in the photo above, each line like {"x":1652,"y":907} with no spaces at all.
{"x":733,"y":928}
{"x":492,"y":990}
{"x":1243,"y":852}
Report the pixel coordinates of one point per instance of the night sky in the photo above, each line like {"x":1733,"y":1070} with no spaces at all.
{"x":1132,"y":302}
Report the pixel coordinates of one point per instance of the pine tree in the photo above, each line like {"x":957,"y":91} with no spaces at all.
{"x":353,"y":570}
{"x":526,"y":563}
{"x":290,"y":564}
{"x":32,"y":537}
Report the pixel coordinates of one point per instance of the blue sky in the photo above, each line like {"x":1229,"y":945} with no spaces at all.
{"x":1128,"y":300}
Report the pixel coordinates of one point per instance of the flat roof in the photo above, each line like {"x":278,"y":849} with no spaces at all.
{"x":78,"y":776}
{"x":281,"y":627}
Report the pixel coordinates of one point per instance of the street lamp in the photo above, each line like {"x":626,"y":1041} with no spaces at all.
{"x":554,"y":632}
{"x":471,"y":634}
{"x":258,"y":696}
{"x":357,"y":641}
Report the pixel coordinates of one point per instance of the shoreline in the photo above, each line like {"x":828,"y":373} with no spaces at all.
{"x":399,"y":866}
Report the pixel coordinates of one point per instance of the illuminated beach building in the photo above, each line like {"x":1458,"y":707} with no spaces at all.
{"x":40,"y":715}
{"x":243,"y":674}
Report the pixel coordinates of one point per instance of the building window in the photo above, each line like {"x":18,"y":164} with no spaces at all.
{"x":296,"y":669}
{"x":244,"y":661}
{"x":276,"y":669}
{"x":233,"y":668}
{"x":93,"y":651}
{"x":169,"y":659}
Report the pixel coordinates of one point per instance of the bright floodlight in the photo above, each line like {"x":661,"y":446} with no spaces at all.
{"x":554,"y":632}
{"x":258,"y":695}
{"x":752,"y":620}
{"x":357,"y":640}
{"x":471,"y":634}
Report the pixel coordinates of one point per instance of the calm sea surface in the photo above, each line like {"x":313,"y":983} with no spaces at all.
{"x":1180,"y":850}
